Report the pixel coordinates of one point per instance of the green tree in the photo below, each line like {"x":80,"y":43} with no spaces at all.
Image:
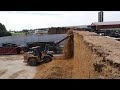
{"x":3,"y":31}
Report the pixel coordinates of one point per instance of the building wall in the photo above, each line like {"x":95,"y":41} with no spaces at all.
{"x":107,"y":26}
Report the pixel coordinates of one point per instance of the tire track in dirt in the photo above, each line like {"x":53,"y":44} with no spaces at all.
{"x":3,"y":72}
{"x":16,"y":74}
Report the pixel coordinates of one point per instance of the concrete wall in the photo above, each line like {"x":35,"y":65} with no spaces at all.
{"x":20,"y":40}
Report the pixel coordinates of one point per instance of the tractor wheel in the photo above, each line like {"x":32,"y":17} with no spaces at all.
{"x":47,"y":59}
{"x":32,"y":62}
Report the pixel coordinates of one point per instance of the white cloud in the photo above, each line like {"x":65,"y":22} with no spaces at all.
{"x":18,"y":20}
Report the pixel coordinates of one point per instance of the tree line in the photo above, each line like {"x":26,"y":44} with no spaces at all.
{"x":3,"y":31}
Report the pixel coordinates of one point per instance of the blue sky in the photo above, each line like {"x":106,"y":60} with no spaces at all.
{"x":18,"y":20}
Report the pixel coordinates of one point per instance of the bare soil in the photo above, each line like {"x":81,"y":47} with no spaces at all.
{"x":56,"y":69}
{"x":13,"y":67}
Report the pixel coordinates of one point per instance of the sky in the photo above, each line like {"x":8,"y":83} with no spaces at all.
{"x":19,"y":20}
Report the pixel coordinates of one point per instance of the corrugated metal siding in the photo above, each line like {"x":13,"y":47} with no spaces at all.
{"x":9,"y":50}
{"x":107,"y":26}
{"x":21,"y":40}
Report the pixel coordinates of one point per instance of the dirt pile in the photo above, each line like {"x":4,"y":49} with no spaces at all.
{"x":82,"y":58}
{"x":56,"y":69}
{"x":69,"y":46}
{"x":95,"y":56}
{"x":61,"y":67}
{"x":80,"y":66}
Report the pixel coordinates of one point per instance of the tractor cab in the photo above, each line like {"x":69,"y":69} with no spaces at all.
{"x":36,"y":55}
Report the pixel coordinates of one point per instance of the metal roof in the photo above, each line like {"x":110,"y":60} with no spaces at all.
{"x":106,"y":23}
{"x":79,"y":26}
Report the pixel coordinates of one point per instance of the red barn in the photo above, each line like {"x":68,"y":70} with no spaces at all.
{"x":105,"y":25}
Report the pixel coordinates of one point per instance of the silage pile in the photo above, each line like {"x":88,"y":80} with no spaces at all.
{"x":69,"y":46}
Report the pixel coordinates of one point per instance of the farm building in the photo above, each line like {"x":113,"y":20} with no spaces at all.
{"x":105,"y":25}
{"x":41,"y":31}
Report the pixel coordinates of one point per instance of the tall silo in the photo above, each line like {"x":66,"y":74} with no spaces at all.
{"x":100,"y":16}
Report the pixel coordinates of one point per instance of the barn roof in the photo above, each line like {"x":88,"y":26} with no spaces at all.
{"x":106,"y":23}
{"x":79,"y":26}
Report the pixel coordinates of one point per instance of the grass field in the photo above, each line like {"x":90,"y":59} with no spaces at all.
{"x":19,"y":33}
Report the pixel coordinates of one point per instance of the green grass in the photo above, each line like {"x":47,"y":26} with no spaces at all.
{"x":19,"y":33}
